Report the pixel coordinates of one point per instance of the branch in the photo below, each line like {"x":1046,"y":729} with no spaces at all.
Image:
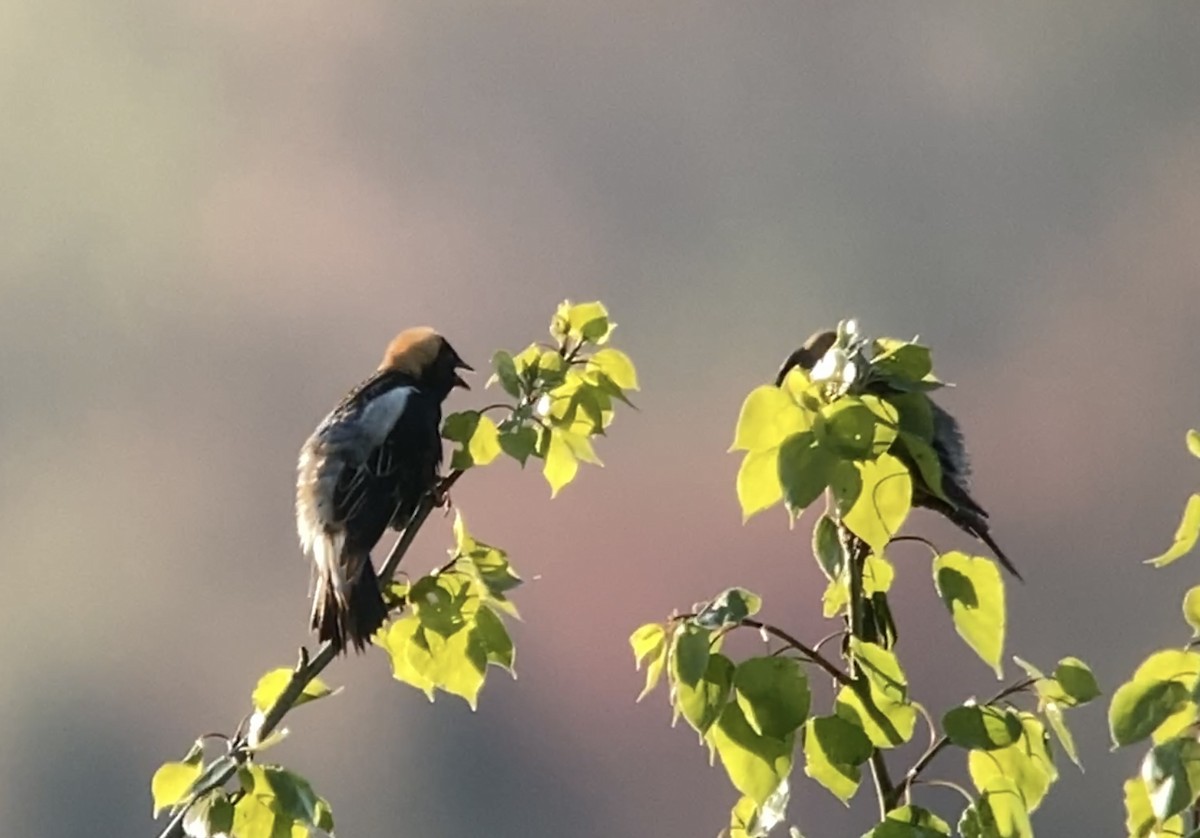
{"x":810,"y":653}
{"x":306,"y":669}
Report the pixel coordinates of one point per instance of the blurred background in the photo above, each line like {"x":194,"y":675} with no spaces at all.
{"x":215,"y":215}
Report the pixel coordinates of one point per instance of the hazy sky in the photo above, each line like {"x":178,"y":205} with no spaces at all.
{"x":215,"y":215}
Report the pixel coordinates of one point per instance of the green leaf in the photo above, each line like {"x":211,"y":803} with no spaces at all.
{"x":910,"y":822}
{"x":1193,"y":442}
{"x":273,"y":684}
{"x":1171,"y":772}
{"x":929,"y":466}
{"x":728,"y":608}
{"x":172,"y":783}
{"x":999,"y":813}
{"x":617,"y":366}
{"x":833,"y":750}
{"x":518,"y":442}
{"x":211,"y":815}
{"x":561,"y":465}
{"x":456,"y":664}
{"x":875,"y":503}
{"x":1191,"y":609}
{"x":1185,"y":536}
{"x":1077,"y":681}
{"x":1026,"y":764}
{"x":690,"y":653}
{"x":491,"y":633}
{"x":506,"y":373}
{"x":805,"y":469}
{"x":488,"y":564}
{"x":294,"y":797}
{"x":459,"y":427}
{"x":916,"y":415}
{"x":971,"y":588}
{"x":847,"y":428}
{"x":485,"y":442}
{"x":909,"y":362}
{"x":1140,"y":821}
{"x":589,"y":321}
{"x":768,"y":417}
{"x":758,"y":486}
{"x":982,"y":727}
{"x":401,"y":638}
{"x":881,"y":668}
{"x":253,"y":817}
{"x":827,"y":547}
{"x":650,"y":644}
{"x":756,"y":765}
{"x":1141,"y":705}
{"x":1058,"y":724}
{"x":773,"y":694}
{"x":886,"y":722}
{"x":701,"y":705}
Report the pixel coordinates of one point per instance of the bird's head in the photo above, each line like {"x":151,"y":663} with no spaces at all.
{"x":428,"y":358}
{"x":808,"y":354}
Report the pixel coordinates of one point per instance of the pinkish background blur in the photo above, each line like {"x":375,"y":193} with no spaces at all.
{"x":215,"y":214}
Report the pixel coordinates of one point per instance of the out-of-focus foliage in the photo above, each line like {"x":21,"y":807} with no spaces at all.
{"x":1159,"y":704}
{"x":857,"y":430}
{"x":448,"y":627}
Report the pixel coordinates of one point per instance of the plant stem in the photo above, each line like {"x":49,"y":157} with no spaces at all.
{"x":307,"y":668}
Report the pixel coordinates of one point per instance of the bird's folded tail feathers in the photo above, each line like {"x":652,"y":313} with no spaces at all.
{"x":978,"y":527}
{"x":355,"y":612}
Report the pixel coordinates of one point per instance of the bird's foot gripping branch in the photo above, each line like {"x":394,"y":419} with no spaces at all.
{"x":446,"y":628}
{"x":850,"y":420}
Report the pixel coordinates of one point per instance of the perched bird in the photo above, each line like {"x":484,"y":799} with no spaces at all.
{"x":365,"y":467}
{"x":958,"y":506}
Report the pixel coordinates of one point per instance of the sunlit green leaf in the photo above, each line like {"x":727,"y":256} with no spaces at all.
{"x":1140,"y":821}
{"x":756,"y":765}
{"x":650,"y":644}
{"x":485,"y":442}
{"x":1191,"y":609}
{"x":589,"y":321}
{"x":456,"y":664}
{"x":773,"y":694}
{"x":882,"y":668}
{"x":701,"y":704}
{"x":927,"y":462}
{"x":273,"y":684}
{"x":1077,"y":681}
{"x":1026,"y":764}
{"x":1141,"y":705}
{"x":875,"y":502}
{"x":758,"y":486}
{"x":254,"y":817}
{"x":1193,"y":442}
{"x":982,"y":726}
{"x":768,"y":417}
{"x":1058,"y":724}
{"x":910,"y":822}
{"x":518,"y":442}
{"x":971,"y":588}
{"x":617,"y":366}
{"x":294,"y":797}
{"x":1185,"y":536}
{"x":398,"y":641}
{"x":999,"y":813}
{"x":834,"y":749}
{"x":172,"y":782}
{"x":901,"y":359}
{"x":886,"y":722}
{"x":561,"y":465}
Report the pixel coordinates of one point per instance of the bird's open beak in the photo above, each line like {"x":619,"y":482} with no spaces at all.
{"x":458,"y":379}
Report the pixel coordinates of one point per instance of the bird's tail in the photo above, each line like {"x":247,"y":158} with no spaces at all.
{"x":352,"y":610}
{"x":978,"y":527}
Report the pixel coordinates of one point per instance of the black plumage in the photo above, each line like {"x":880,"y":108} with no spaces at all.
{"x":957,"y":506}
{"x":365,"y":468}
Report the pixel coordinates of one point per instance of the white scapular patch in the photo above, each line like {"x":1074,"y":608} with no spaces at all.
{"x":379,"y":416}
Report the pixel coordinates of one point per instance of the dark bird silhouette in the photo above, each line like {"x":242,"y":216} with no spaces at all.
{"x":365,"y":467}
{"x":958,"y":506}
